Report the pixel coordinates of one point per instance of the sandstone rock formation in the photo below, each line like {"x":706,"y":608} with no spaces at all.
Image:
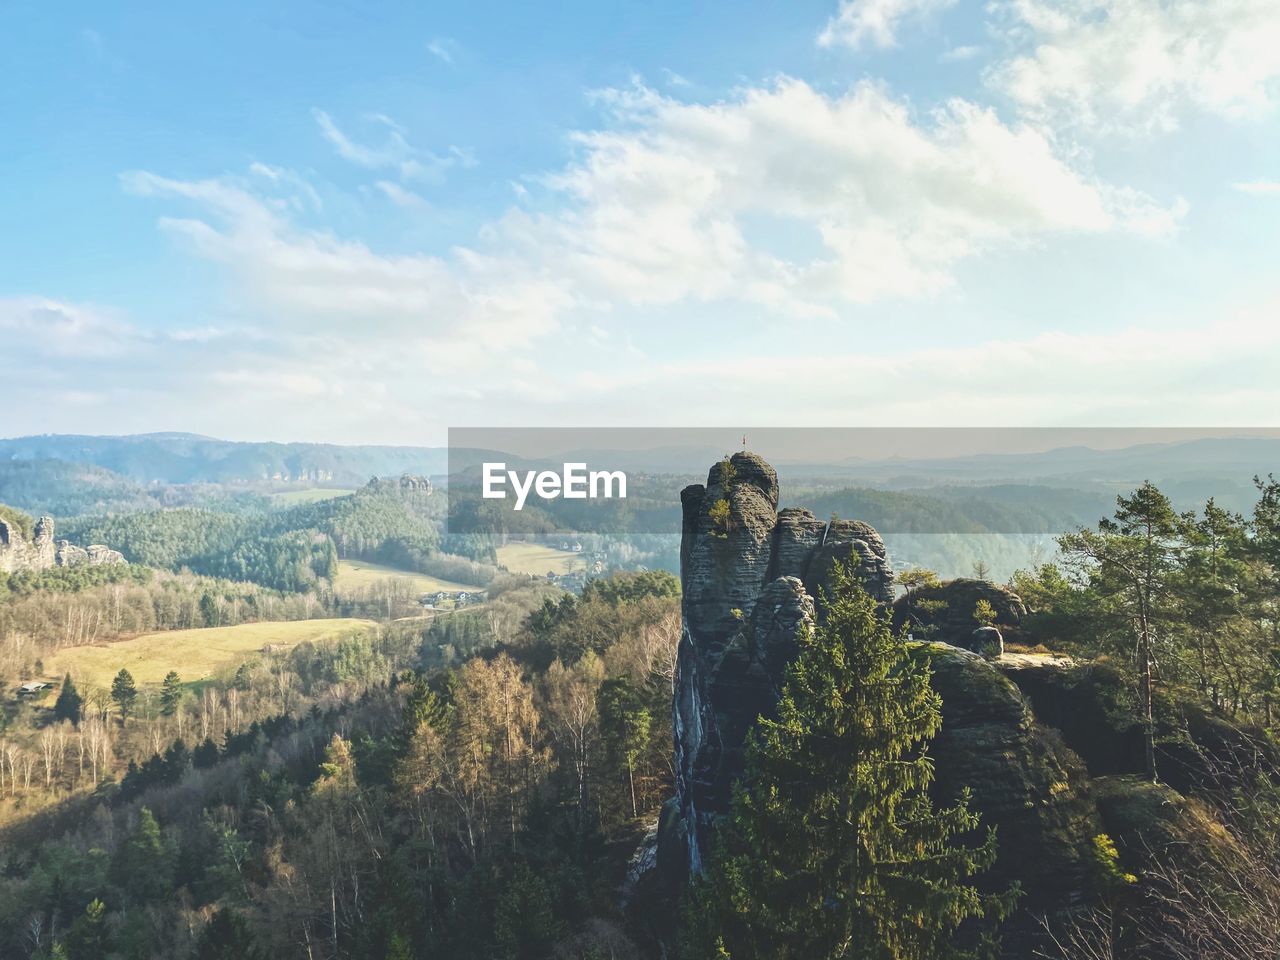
{"x":946,"y":612}
{"x":41,"y":552}
{"x":1044,"y":744}
{"x":749,"y":574}
{"x":753,"y":578}
{"x":405,"y":484}
{"x":987,"y":641}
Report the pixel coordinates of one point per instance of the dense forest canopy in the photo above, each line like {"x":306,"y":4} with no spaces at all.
{"x":474,"y":783}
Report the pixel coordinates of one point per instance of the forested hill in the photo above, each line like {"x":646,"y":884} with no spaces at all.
{"x":61,"y":488}
{"x":188,"y":458}
{"x":287,"y":549}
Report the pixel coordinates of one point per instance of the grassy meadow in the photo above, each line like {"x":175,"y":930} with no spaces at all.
{"x":356,"y":575}
{"x":537,"y":559}
{"x":195,"y":654}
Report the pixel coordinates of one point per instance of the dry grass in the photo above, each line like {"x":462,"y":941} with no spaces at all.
{"x":195,"y":654}
{"x":356,"y":575}
{"x":537,"y":559}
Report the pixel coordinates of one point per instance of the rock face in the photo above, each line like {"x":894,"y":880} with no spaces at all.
{"x":753,"y":578}
{"x":1046,"y":745}
{"x":1026,"y":782}
{"x":406,"y":484}
{"x":946,"y":612}
{"x":749,"y":575}
{"x":987,"y":641}
{"x":41,"y":552}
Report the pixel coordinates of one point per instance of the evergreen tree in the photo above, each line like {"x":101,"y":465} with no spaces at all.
{"x":1132,"y":561}
{"x":69,"y":702}
{"x":205,"y":755}
{"x":143,"y":866}
{"x":625,"y":721}
{"x":170,"y":693}
{"x":87,"y":939}
{"x":124,"y":692}
{"x":525,"y":925}
{"x":227,"y":937}
{"x":209,"y":610}
{"x":833,"y":848}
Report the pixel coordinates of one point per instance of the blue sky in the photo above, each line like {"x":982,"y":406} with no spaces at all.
{"x":368,"y":222}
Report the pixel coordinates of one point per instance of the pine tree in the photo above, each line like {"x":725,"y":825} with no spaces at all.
{"x":143,"y":866}
{"x":170,"y":693}
{"x":228,"y":937}
{"x":1133,"y":561}
{"x":206,"y":754}
{"x":124,"y":692}
{"x":87,"y":939}
{"x":625,"y":722}
{"x":69,"y":702}
{"x":833,"y":848}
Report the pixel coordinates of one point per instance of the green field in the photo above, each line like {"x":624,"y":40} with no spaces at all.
{"x":195,"y":654}
{"x":537,"y":559}
{"x":292,"y":498}
{"x":354,"y":575}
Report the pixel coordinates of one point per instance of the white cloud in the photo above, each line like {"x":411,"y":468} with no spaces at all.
{"x":1121,"y":64}
{"x":442,"y":48}
{"x":1259,"y":187}
{"x":663,"y":201}
{"x":41,"y":326}
{"x":668,"y":206}
{"x":859,"y":23}
{"x":959,"y":54}
{"x":399,"y":195}
{"x":311,"y":281}
{"x":395,"y":152}
{"x":675,"y":203}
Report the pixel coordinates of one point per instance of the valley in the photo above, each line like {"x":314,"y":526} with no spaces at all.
{"x":322,"y":714}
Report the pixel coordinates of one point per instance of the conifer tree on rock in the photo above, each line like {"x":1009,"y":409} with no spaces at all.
{"x":833,"y":848}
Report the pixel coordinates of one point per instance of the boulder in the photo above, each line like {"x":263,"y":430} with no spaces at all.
{"x":987,"y":641}
{"x":44,"y":550}
{"x":946,"y":612}
{"x":69,"y":555}
{"x":745,"y":569}
{"x":99,"y":553}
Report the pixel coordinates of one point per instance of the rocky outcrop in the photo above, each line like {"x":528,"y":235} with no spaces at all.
{"x":1026,"y":781}
{"x":405,"y":485}
{"x":946,"y":612}
{"x":753,"y":580}
{"x":1093,"y":706}
{"x":41,"y":552}
{"x":1047,"y":746}
{"x":44,"y":553}
{"x":986,"y":641}
{"x":749,"y":575}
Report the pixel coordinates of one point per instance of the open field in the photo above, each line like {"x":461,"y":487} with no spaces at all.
{"x":536,"y":559}
{"x":195,"y":654}
{"x":292,"y":498}
{"x":356,"y":575}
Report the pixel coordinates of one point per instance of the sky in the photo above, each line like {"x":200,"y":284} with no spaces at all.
{"x":369,"y":222}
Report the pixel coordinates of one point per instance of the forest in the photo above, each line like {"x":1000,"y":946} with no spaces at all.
{"x":480,"y":784}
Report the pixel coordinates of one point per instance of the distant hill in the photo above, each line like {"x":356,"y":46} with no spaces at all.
{"x":178,"y":458}
{"x":65,"y":489}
